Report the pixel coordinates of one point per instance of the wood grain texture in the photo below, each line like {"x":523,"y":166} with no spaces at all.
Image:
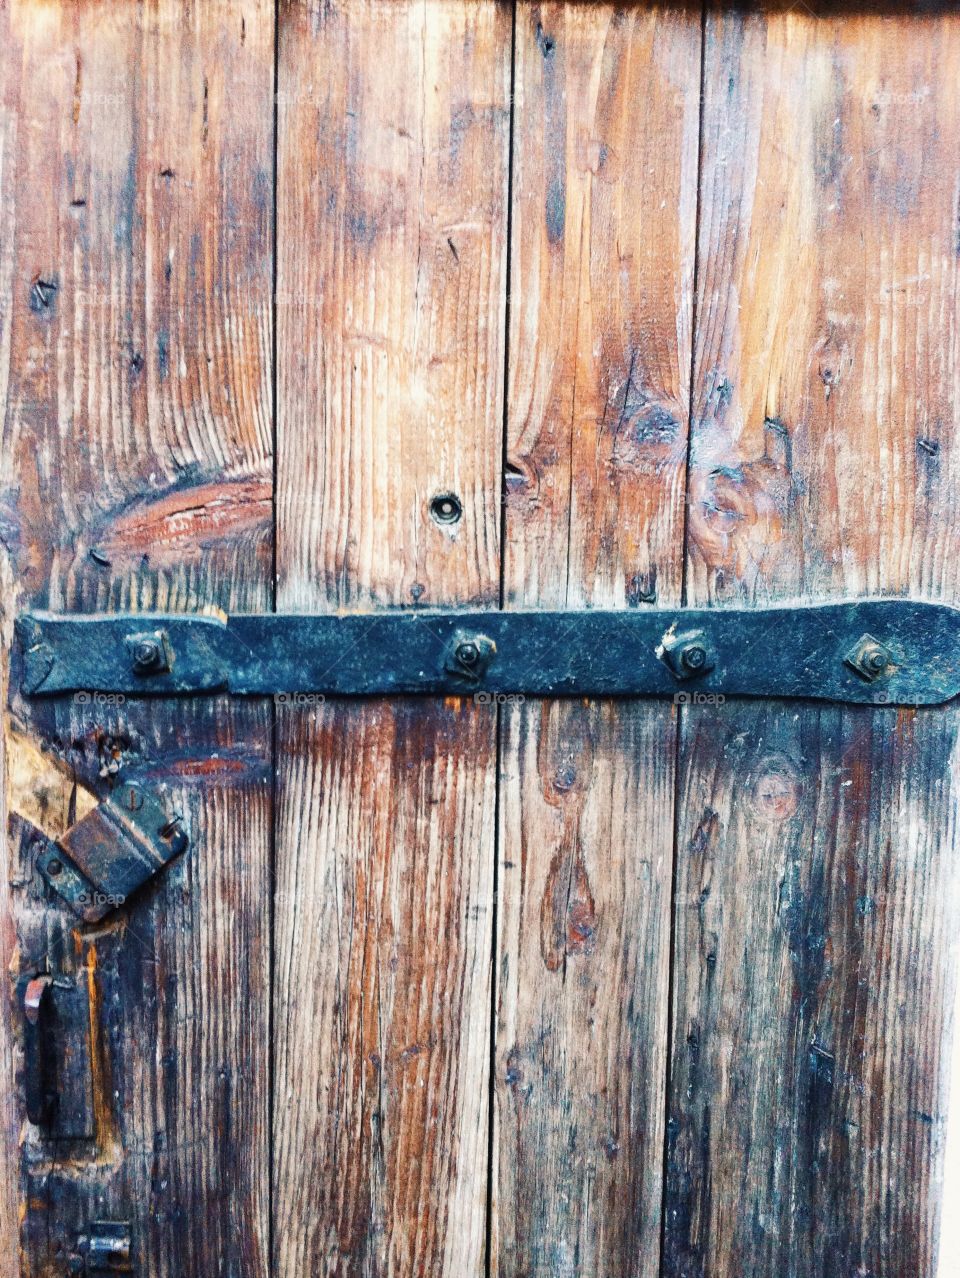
{"x":135,"y":356}
{"x":604,"y":191}
{"x":392,"y":223}
{"x":392,"y":200}
{"x":383,"y":932}
{"x":816,"y":883}
{"x":584,"y":935}
{"x":815,"y":904}
{"x":826,"y":363}
{"x":601,"y":292}
{"x":10,"y":1109}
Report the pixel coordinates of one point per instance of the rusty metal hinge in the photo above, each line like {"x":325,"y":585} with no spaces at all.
{"x":870,"y":651}
{"x":58,"y":1059}
{"x":111,"y":852}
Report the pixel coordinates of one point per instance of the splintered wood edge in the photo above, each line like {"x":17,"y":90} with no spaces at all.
{"x":40,"y":787}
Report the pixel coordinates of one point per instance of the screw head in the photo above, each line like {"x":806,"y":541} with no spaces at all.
{"x":54,"y":867}
{"x":133,"y":797}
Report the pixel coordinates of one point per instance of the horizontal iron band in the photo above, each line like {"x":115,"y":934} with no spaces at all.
{"x":869,"y":651}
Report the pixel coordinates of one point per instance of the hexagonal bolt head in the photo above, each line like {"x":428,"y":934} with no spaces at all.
{"x":150,"y":653}
{"x":469,"y":655}
{"x":869,"y":658}
{"x":687,"y":654}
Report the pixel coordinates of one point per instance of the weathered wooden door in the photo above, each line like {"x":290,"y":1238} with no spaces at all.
{"x":365,"y":304}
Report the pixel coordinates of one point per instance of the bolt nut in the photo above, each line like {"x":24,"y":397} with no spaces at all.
{"x":150,"y":653}
{"x":469,"y":655}
{"x":687,"y":654}
{"x":869,"y":658}
{"x":694,"y":657}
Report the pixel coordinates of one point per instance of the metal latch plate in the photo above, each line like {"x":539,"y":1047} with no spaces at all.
{"x":111,"y":852}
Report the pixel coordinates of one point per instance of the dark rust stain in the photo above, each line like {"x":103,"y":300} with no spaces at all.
{"x":611,"y":1147}
{"x":545,"y":43}
{"x":43,"y":292}
{"x":77,"y":89}
{"x":514,"y":1076}
{"x":642,"y":588}
{"x":209,"y":769}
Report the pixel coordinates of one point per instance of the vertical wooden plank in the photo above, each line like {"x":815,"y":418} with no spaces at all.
{"x":604,"y":194}
{"x":587,"y":802}
{"x":9,"y":1108}
{"x":948,"y":1256}
{"x":392,"y":182}
{"x":817,"y":890}
{"x":136,"y":474}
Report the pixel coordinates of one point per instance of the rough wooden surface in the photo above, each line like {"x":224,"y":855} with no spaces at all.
{"x":601,"y":292}
{"x":815,"y":891}
{"x":392,"y":199}
{"x":601,"y":286}
{"x":390,"y":297}
{"x":816,"y":881}
{"x":135,"y":338}
{"x":584,"y":935}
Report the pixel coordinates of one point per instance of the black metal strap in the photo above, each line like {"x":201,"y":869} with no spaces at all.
{"x":873,"y":651}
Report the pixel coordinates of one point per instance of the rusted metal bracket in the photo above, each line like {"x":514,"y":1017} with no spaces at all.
{"x":112,"y":852}
{"x":870,"y":651}
{"x":107,"y":1248}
